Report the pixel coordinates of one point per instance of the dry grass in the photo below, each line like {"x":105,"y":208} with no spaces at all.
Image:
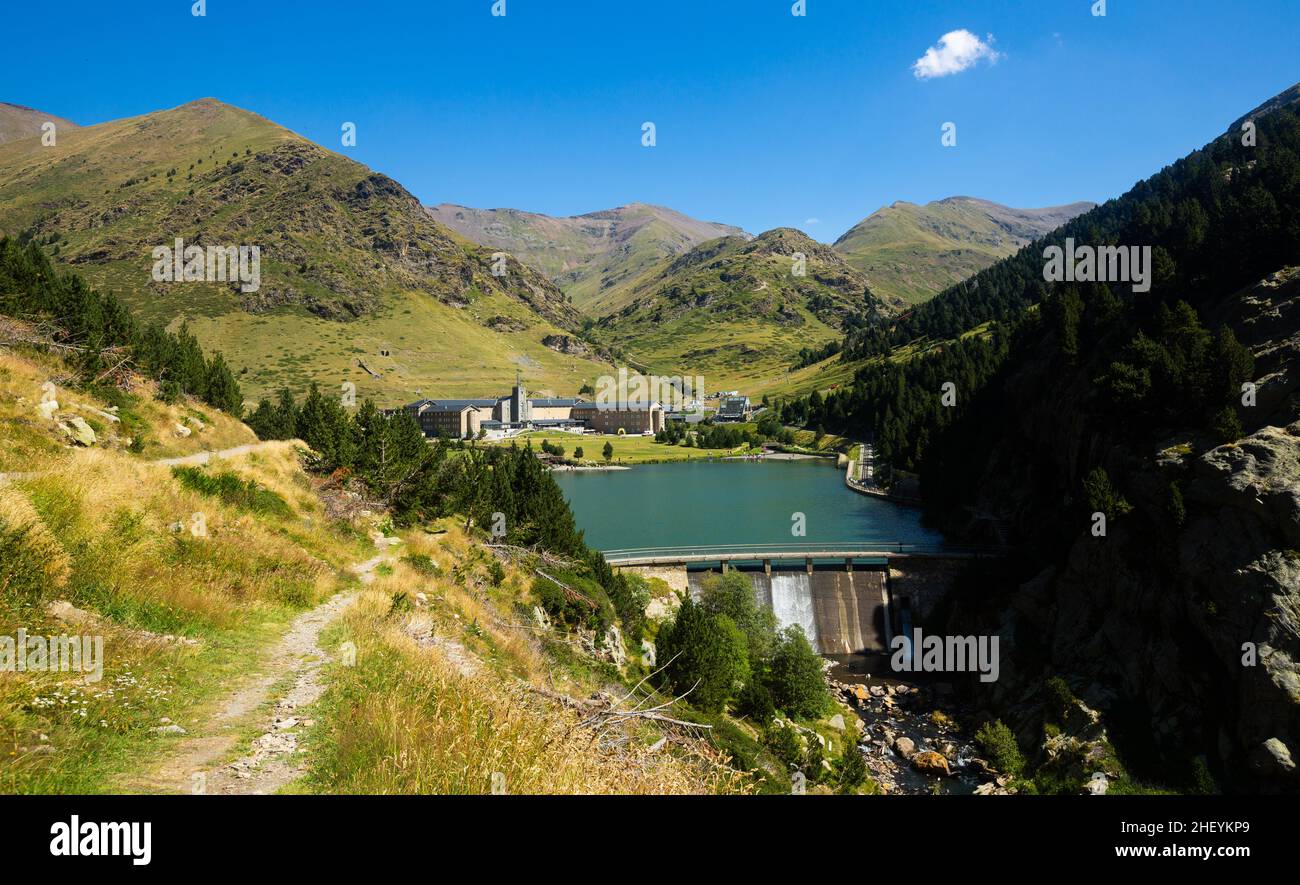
{"x":102,"y":526}
{"x":407,"y":719}
{"x":439,"y":699}
{"x":33,"y":441}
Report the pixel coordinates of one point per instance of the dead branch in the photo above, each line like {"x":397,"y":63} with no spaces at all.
{"x":513,"y":550}
{"x":573,"y":595}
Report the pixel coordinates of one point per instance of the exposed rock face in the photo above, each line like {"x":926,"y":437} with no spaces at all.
{"x":1266,"y":318}
{"x":566,"y":344}
{"x":79,"y":431}
{"x":1199,"y":628}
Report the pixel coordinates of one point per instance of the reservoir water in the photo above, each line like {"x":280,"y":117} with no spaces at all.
{"x":710,"y":503}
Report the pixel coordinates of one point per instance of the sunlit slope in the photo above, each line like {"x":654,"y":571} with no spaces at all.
{"x":339,"y":243}
{"x":595,"y":257}
{"x":18,"y":121}
{"x":915,"y":252}
{"x":738,"y":312}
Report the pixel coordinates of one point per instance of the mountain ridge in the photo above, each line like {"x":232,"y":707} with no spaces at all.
{"x":19,"y":121}
{"x":340,"y":244}
{"x":915,"y":251}
{"x":585,"y":255}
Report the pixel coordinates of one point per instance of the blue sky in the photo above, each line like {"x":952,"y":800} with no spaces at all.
{"x":763,"y":119}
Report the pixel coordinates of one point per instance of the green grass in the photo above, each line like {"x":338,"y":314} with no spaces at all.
{"x":913,"y":252}
{"x":351,"y":265}
{"x":231,"y":489}
{"x":627,"y":449}
{"x":734,"y":311}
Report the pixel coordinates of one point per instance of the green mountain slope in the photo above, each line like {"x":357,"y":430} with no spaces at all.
{"x":592,"y":257}
{"x":18,"y":121}
{"x":734,"y":310}
{"x":353,"y":270}
{"x":915,"y":252}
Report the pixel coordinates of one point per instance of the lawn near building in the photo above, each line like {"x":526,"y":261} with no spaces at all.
{"x":627,"y":449}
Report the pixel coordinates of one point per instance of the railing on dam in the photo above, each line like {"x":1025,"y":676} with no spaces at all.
{"x":855,"y":549}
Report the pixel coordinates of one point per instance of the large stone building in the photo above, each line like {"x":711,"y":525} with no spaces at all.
{"x":452,"y":418}
{"x":464,"y":418}
{"x":620,"y":417}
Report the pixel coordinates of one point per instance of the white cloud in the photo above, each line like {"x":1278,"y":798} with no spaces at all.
{"x":957,"y":51}
{"x":812,"y":221}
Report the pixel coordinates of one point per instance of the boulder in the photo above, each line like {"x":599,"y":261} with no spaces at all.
{"x":182,"y":431}
{"x":1098,"y":784}
{"x":904,"y":747}
{"x":1272,"y":757}
{"x":613,"y":645}
{"x":68,"y":613}
{"x":79,"y":431}
{"x":930,"y":762}
{"x":837,"y":722}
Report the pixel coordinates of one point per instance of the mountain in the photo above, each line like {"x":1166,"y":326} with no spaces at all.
{"x":358,"y":282}
{"x":914,"y":252}
{"x":736,"y":311}
{"x":591,"y":257}
{"x":1139,"y":449}
{"x":18,"y":121}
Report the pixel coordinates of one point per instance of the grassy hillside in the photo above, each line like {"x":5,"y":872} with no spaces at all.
{"x":134,"y":422}
{"x":915,"y":252}
{"x":592,"y":257}
{"x":735,"y":312}
{"x":451,"y":676}
{"x":17,"y":121}
{"x":348,"y":257}
{"x":839,"y":370}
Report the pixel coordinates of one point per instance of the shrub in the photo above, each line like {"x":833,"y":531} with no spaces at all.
{"x":732,"y":594}
{"x":423,"y":564}
{"x":997,"y":742}
{"x":852,"y":769}
{"x":570,"y":610}
{"x":785,"y":745}
{"x":755,"y":701}
{"x":1059,"y":697}
{"x":230,"y":489}
{"x":705,"y":655}
{"x":795,"y":676}
{"x":1103,"y":497}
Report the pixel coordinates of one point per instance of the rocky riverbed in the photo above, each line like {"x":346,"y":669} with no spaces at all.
{"x":912,"y":742}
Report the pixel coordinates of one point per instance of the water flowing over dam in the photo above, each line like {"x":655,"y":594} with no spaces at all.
{"x":841,"y":612}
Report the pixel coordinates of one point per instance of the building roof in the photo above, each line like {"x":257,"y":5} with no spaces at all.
{"x":459,"y":405}
{"x":733,"y":405}
{"x":616,"y":407}
{"x":555,"y":402}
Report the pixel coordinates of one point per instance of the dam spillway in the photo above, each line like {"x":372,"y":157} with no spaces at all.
{"x":841,"y":612}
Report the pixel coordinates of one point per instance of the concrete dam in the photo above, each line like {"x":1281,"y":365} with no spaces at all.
{"x":841,"y":612}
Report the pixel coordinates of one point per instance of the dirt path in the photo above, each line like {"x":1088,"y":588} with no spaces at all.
{"x":205,"y":457}
{"x":178,"y":461}
{"x":198,"y":763}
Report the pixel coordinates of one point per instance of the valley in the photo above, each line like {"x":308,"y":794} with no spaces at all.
{"x":358,"y":491}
